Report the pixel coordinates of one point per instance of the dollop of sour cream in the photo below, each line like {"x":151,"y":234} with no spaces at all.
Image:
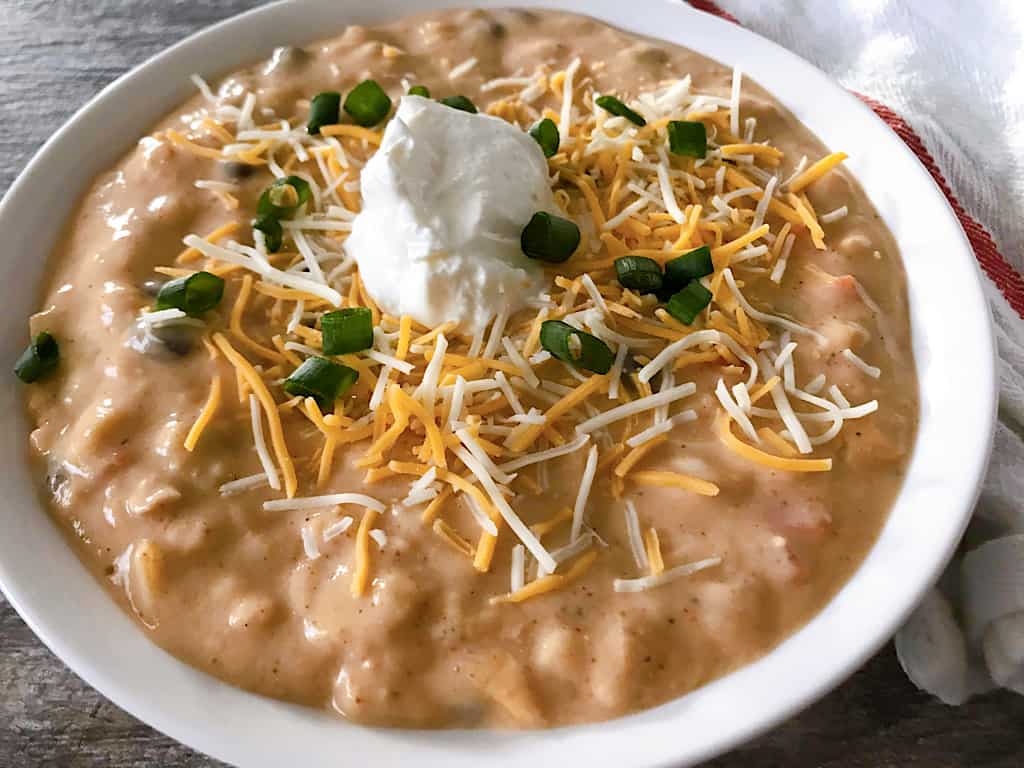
{"x":445,"y":200}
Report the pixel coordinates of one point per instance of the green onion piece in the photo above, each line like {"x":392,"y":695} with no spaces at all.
{"x":617,"y":108}
{"x":545,"y":133}
{"x":193,"y":295}
{"x":320,"y":379}
{"x":549,"y":238}
{"x":639,"y":273}
{"x":38,"y":359}
{"x":685,"y":305}
{"x":575,"y":347}
{"x":687,"y":138}
{"x":347,"y":330}
{"x":367,"y":104}
{"x":273,"y":234}
{"x":420,"y":90}
{"x":459,"y":102}
{"x":689,"y":266}
{"x":284,"y":197}
{"x":323,"y":110}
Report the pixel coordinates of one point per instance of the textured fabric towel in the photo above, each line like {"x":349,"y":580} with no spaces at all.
{"x":949,"y":78}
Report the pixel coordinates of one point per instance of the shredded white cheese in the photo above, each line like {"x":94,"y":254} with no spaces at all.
{"x":546,"y":455}
{"x":517,"y":359}
{"x":858,"y":361}
{"x":256,"y":416}
{"x":636,"y":542}
{"x":309,"y":542}
{"x":734,"y":102}
{"x":586,"y":482}
{"x":683,"y":417}
{"x":650,"y":582}
{"x":835,"y":215}
{"x":329,"y":500}
{"x":565,"y":118}
{"x":426,"y":392}
{"x":337,"y":528}
{"x":243,"y":484}
{"x":462,"y":69}
{"x":517,"y":577}
{"x":519,"y":528}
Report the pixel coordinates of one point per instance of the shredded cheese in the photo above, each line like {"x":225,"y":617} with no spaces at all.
{"x":255,"y":383}
{"x":318,"y":502}
{"x":675,"y":480}
{"x":816,"y":171}
{"x":858,"y":361}
{"x":637,"y":454}
{"x":766,"y":459}
{"x":205,"y":415}
{"x":583,"y":494}
{"x":640,"y":405}
{"x":361,"y":571}
{"x":636,"y":542}
{"x":650,"y":582}
{"x":549,"y":583}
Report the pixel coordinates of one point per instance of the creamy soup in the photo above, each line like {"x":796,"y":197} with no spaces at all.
{"x":680,"y":473}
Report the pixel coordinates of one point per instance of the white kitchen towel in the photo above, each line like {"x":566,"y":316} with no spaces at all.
{"x":954,"y":72}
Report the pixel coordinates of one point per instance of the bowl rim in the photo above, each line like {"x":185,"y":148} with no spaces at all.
{"x":80,"y":624}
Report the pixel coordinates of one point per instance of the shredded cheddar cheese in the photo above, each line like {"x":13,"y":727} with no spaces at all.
{"x":205,"y":415}
{"x":361,"y":571}
{"x":562,"y":516}
{"x":549,"y":583}
{"x":757,"y":456}
{"x":806,"y":214}
{"x":484,"y":552}
{"x":433,"y":509}
{"x":255,"y":383}
{"x":353,"y":132}
{"x":777,"y":442}
{"x":676,"y":480}
{"x":450,"y":536}
{"x":652,"y":545}
{"x":241,"y":301}
{"x":594,"y":384}
{"x":816,"y":171}
{"x":637,"y":454}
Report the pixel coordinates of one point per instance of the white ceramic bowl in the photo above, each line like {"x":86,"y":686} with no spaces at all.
{"x":953,"y":348}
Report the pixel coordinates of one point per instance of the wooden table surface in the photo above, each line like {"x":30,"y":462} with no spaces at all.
{"x":53,"y":57}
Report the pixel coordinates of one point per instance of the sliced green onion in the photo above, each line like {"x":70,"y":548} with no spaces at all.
{"x":575,"y":347}
{"x":38,"y":359}
{"x":549,"y":238}
{"x":459,"y":102}
{"x":193,"y":295}
{"x":689,"y":266}
{"x":320,"y":379}
{"x":689,"y":138}
{"x":685,"y":305}
{"x":367,"y":104}
{"x":545,"y":133}
{"x":617,"y":108}
{"x":639,"y":273}
{"x":347,"y":330}
{"x":284,"y":197}
{"x":273,"y":234}
{"x":420,"y":90}
{"x":323,"y":110}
